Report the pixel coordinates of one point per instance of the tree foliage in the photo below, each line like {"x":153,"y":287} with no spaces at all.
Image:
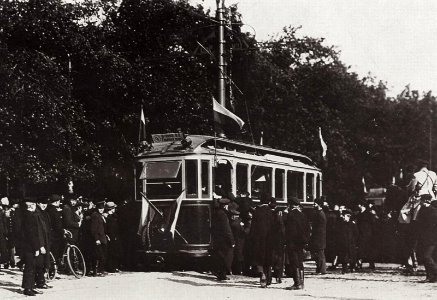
{"x":60,"y":123}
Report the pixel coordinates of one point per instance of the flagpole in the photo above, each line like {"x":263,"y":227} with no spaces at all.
{"x":222,"y":64}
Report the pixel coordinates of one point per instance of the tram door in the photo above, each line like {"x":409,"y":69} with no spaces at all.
{"x":222,"y":178}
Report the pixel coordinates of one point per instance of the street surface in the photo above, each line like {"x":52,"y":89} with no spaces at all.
{"x":384,"y":283}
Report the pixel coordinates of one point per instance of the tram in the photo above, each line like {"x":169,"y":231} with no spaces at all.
{"x":177,"y":176}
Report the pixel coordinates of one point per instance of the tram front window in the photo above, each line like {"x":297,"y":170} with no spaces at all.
{"x":163,"y":179}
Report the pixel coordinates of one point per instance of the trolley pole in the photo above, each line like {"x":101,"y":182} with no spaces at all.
{"x":222,"y":63}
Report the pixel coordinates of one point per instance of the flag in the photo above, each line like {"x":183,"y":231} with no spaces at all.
{"x":406,"y":92}
{"x":224,"y":118}
{"x":176,"y":215}
{"x":143,"y":218}
{"x":322,"y":142}
{"x":364,"y":185}
{"x":142,"y":131}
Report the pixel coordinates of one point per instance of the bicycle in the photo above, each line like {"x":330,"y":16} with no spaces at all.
{"x":73,"y":256}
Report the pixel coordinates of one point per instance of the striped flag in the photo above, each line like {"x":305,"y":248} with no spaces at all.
{"x":143,"y":218}
{"x":224,"y":118}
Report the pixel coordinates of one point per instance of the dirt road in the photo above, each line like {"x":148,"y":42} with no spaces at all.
{"x":386,"y":282}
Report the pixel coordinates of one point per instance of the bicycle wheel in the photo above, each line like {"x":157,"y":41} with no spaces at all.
{"x":53,"y":268}
{"x":76,"y":262}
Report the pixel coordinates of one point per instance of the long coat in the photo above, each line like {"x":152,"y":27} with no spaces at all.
{"x":297,"y":229}
{"x":261,"y":235}
{"x":98,"y":228}
{"x":4,"y":228}
{"x":30,"y":242}
{"x":57,"y":231}
{"x":222,"y":237}
{"x":71,"y":221}
{"x":318,"y":231}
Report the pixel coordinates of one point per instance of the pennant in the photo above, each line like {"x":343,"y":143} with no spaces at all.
{"x":143,"y":218}
{"x":224,"y":118}
{"x":364,"y":185}
{"x":142,"y":131}
{"x":322,"y":142}
{"x":176,"y":215}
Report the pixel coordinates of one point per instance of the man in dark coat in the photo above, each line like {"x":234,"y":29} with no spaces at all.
{"x":261,"y":235}
{"x":71,"y":221}
{"x":427,"y":229}
{"x":318,"y":238}
{"x":98,"y":232}
{"x":114,"y":241}
{"x":297,"y":234}
{"x":366,"y":220}
{"x":222,"y":239}
{"x":238,"y":231}
{"x":56,"y":228}
{"x":30,"y":247}
{"x":43,"y":220}
{"x":278,"y":240}
{"x":347,"y":232}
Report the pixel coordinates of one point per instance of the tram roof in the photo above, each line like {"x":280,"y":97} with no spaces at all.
{"x":204,"y":143}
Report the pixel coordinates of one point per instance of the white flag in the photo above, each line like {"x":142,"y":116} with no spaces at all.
{"x":364,"y":185}
{"x":176,"y":215}
{"x":144,"y":212}
{"x":322,"y":142}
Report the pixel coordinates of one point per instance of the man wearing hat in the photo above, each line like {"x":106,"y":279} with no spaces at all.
{"x":427,"y":228}
{"x":71,"y":221}
{"x":297,"y":234}
{"x":56,"y":229}
{"x":222,"y":239}
{"x":31,"y":249}
{"x":347,"y":232}
{"x":239,"y":234}
{"x":43,"y":261}
{"x":318,"y":237}
{"x":114,"y":241}
{"x":261,"y":235}
{"x":98,"y":232}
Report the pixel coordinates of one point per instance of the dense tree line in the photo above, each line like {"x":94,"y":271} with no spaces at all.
{"x":74,"y":75}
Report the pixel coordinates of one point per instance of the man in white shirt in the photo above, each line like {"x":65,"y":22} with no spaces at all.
{"x":424,"y":181}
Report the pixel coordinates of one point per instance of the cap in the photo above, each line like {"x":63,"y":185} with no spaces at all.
{"x":42,"y":200}
{"x":54,"y":198}
{"x":110,"y":205}
{"x":224,"y":201}
{"x":233,"y":208}
{"x":293,"y":201}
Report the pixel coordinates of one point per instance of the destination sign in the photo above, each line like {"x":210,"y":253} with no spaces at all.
{"x":166,"y":137}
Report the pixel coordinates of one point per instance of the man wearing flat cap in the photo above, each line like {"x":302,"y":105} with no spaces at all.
{"x":56,"y":229}
{"x":318,"y":237}
{"x":297,"y":234}
{"x":222,"y":239}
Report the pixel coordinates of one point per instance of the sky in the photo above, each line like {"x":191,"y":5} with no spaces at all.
{"x":393,"y":40}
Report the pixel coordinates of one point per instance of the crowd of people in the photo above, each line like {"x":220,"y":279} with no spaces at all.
{"x":31,"y":229}
{"x":267,"y":240}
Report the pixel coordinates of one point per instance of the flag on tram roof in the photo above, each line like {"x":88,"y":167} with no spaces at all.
{"x":322,"y":142}
{"x":406,"y":92}
{"x":224,"y":118}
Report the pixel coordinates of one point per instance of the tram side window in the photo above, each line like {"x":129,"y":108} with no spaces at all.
{"x":310,"y":187}
{"x":191,"y":178}
{"x":261,"y":182}
{"x":295,"y":184}
{"x":242,"y":178}
{"x":205,"y":179}
{"x":163,"y":179}
{"x":279,"y":184}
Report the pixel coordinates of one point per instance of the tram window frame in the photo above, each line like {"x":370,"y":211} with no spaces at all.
{"x":318,"y":186}
{"x":254,"y":177}
{"x":172,"y":182}
{"x":279,"y":184}
{"x":191,"y":179}
{"x":242,"y":175}
{"x":205,"y":181}
{"x":310,"y":193}
{"x":298,"y":188}
{"x":139,"y":183}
